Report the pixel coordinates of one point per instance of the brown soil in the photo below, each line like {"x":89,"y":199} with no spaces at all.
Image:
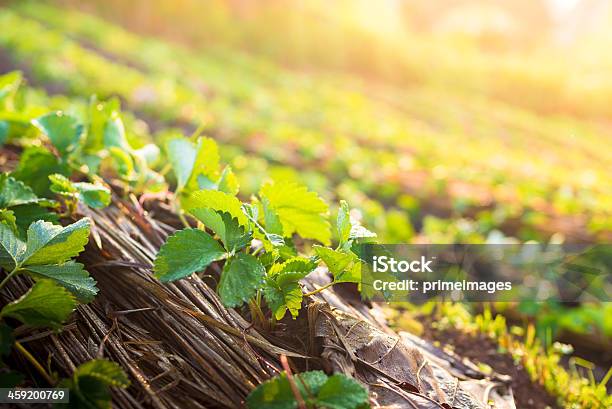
{"x":481,"y":349}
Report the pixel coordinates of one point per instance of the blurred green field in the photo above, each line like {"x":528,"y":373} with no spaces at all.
{"x":431,"y":138}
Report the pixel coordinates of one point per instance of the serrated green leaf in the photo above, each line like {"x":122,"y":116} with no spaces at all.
{"x":186,"y":252}
{"x":70,"y":275}
{"x":34,"y":168}
{"x":104,"y":371}
{"x":282,"y":290}
{"x":341,"y":392}
{"x":259,"y":232}
{"x":276,"y":393}
{"x":28,"y":214}
{"x":14,"y":192}
{"x":89,"y":385}
{"x":285,"y":296}
{"x":46,"y":304}
{"x":360,"y":232}
{"x":92,"y":195}
{"x":273,"y":394}
{"x":271,"y":219}
{"x":344,"y":265}
{"x":295,"y":264}
{"x":232,"y":234}
{"x":51,"y":244}
{"x":64,"y":131}
{"x":299,"y":210}
{"x":8,"y":218}
{"x":228,"y":182}
{"x":242,"y":276}
{"x":11,"y":248}
{"x":336,"y":261}
{"x":61,"y":184}
{"x":215,"y":200}
{"x":343,"y":223}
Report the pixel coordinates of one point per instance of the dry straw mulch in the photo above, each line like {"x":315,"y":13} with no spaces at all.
{"x":183,"y":349}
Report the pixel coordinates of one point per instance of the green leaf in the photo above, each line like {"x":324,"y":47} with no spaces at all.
{"x":70,"y":275}
{"x":344,"y":266}
{"x":11,"y":248}
{"x":46,"y":304}
{"x":9,"y":84}
{"x":252,"y":211}
{"x":8,"y":218}
{"x":343,"y":223}
{"x":114,"y":133}
{"x":34,"y":168}
{"x":181,"y":154}
{"x":51,"y":244}
{"x":206,"y":162}
{"x":100,"y":113}
{"x":228,"y":182}
{"x":104,"y":371}
{"x":89,"y":385}
{"x":64,"y":131}
{"x":277,"y":394}
{"x":215,"y":200}
{"x":342,"y":392}
{"x":197,"y":166}
{"x":299,"y":210}
{"x":293,"y":265}
{"x":283,"y":291}
{"x":360,"y":232}
{"x":186,"y":252}
{"x":242,"y":276}
{"x":273,"y":394}
{"x":28,"y":214}
{"x":287,"y":296}
{"x":122,"y":161}
{"x":232,"y":234}
{"x":14,"y":192}
{"x":92,"y":195}
{"x":4,"y":132}
{"x":271,"y":220}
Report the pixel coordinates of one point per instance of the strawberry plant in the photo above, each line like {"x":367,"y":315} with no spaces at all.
{"x":255,"y":240}
{"x":313,"y":389}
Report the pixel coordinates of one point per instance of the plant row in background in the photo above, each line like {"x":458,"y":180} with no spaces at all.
{"x":574,"y":388}
{"x":158,"y":78}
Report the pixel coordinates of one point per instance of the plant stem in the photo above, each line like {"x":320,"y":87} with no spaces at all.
{"x":318,"y":290}
{"x":8,"y":277}
{"x":179,"y":213}
{"x":34,"y":362}
{"x":294,"y":389}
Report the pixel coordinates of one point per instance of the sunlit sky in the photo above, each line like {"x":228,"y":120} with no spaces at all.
{"x":561,"y":7}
